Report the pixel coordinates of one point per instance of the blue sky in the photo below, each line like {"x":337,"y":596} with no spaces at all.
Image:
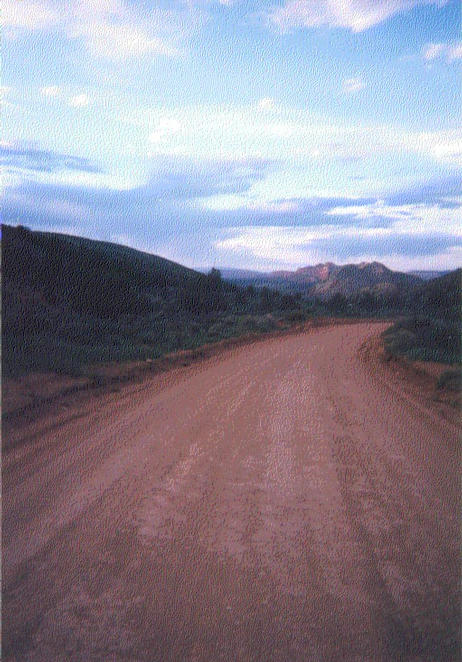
{"x":239,"y":133}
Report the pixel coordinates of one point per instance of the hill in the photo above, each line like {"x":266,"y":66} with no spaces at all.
{"x":350,"y":279}
{"x":308,"y":275}
{"x":69,"y":301}
{"x":87,"y":276}
{"x":325,"y":280}
{"x":441,"y":295}
{"x":431,"y":329}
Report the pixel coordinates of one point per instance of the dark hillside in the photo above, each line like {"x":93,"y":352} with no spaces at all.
{"x":89,"y":277}
{"x":69,"y":301}
{"x":431,"y":330}
{"x":441,"y":295}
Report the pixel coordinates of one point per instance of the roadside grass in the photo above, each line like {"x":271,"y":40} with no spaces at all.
{"x":422,"y":338}
{"x":450,"y":380}
{"x":70,"y":344}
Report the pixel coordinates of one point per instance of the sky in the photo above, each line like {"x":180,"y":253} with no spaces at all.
{"x":238,"y":133}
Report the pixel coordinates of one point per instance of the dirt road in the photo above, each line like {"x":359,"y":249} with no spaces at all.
{"x":283,"y":502}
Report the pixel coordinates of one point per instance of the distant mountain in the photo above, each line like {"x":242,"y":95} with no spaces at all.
{"x":308,"y":275}
{"x":326,"y":279}
{"x":240,"y":274}
{"x":303,"y":276}
{"x":373,"y":276}
{"x":260,"y":279}
{"x":427,"y":274}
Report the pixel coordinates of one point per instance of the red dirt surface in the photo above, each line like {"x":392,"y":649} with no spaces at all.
{"x":288,"y":500}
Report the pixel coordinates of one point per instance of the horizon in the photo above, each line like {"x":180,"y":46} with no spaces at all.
{"x":260,"y":136}
{"x":221,"y":268}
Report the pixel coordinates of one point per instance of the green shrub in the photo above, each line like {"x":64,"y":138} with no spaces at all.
{"x":294,"y":316}
{"x":401,"y":341}
{"x":450,"y":380}
{"x":425,"y":339}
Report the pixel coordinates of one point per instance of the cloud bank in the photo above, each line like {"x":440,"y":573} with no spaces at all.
{"x":169,"y":213}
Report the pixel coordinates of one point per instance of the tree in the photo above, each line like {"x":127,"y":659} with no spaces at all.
{"x":338,"y":303}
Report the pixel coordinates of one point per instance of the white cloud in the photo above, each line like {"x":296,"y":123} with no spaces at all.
{"x":448,"y":259}
{"x":355,"y":15}
{"x":353,"y":85}
{"x":91,"y":180}
{"x":50,"y":91}
{"x":29,"y":15}
{"x":455,"y":52}
{"x":6,"y":93}
{"x":117,"y":41}
{"x":443,"y":146}
{"x":79,"y":101}
{"x":164,"y":129}
{"x":292,"y":136}
{"x":273,"y":246}
{"x":113,"y":29}
{"x":9,"y":180}
{"x":449,"y":52}
{"x":266,"y":104}
{"x":432,"y":51}
{"x":243,"y":202}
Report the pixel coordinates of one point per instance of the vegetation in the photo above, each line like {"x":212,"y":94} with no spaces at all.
{"x":69,"y":302}
{"x":423,"y":338}
{"x":431,"y":330}
{"x":451,"y":380}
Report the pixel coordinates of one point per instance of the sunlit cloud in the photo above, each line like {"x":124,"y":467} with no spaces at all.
{"x":50,"y":91}
{"x":448,"y":52}
{"x":79,"y":101}
{"x":354,"y":15}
